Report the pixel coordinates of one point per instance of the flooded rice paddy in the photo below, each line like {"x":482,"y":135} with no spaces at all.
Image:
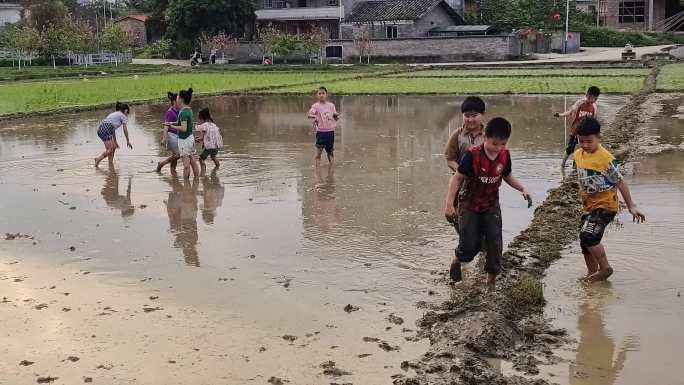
{"x":129,"y":276}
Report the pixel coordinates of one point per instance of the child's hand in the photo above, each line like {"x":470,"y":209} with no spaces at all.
{"x":129,"y":145}
{"x":637,"y":216}
{"x":336,"y":116}
{"x":527,"y":197}
{"x":449,"y":211}
{"x":556,"y":114}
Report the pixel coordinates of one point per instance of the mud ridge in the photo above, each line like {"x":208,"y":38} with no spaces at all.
{"x":475,"y":325}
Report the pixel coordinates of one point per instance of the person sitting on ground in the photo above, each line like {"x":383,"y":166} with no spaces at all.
{"x":585,"y":106}
{"x":599,"y":177}
{"x":479,"y":175}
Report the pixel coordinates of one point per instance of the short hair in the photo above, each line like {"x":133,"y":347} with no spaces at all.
{"x":122,"y":107}
{"x":473,"y":104}
{"x":588,"y":126}
{"x":594,"y":91}
{"x":322,"y":88}
{"x":186,"y":95}
{"x":499,"y":128}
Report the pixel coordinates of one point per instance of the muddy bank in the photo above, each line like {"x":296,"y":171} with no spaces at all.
{"x":476,"y":325}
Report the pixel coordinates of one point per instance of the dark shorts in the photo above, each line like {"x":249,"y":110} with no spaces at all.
{"x":473,"y":227}
{"x":572,"y":143}
{"x":106,"y":131}
{"x":208,"y":152}
{"x":592,"y":227}
{"x":326,"y":141}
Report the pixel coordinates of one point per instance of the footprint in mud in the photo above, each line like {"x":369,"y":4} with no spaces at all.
{"x":329,"y":369}
{"x":41,"y":306}
{"x":387,"y":347}
{"x":148,"y":309}
{"x":47,"y":380}
{"x":364,"y":355}
{"x":277,"y":381}
{"x":351,"y":308}
{"x":289,"y":338}
{"x":371,"y":339}
{"x":26,"y":363}
{"x":395,"y":319}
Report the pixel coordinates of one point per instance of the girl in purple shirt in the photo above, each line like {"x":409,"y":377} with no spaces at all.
{"x":170,"y":135}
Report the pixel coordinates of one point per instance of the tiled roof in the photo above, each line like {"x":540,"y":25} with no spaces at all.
{"x":395,"y":10}
{"x":142,"y":18}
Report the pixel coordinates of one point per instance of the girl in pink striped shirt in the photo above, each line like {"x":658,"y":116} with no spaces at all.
{"x":209,"y":135}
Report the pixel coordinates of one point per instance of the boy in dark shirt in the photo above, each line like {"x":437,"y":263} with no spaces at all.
{"x":477,"y":182}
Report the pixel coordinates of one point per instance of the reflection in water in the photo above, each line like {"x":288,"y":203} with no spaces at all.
{"x":596,"y":362}
{"x":110,"y":193}
{"x":326,"y":214}
{"x":212,"y":192}
{"x":182,"y":210}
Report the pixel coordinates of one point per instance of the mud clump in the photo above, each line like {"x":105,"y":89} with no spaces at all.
{"x":329,"y":369}
{"x":351,"y":308}
{"x":289,"y":338}
{"x":46,"y":380}
{"x":507,"y":323}
{"x":395,"y":319}
{"x":387,"y":347}
{"x":277,"y":381}
{"x":26,"y":363}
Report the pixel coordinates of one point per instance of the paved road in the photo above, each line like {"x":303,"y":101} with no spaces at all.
{"x":588,"y":55}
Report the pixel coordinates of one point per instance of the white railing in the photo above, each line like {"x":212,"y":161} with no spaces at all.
{"x":301,"y":13}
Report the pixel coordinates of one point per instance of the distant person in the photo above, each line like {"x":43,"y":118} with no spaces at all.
{"x":478,"y":178}
{"x":184,"y":126}
{"x":196,"y":58}
{"x":599,"y":177}
{"x":468,"y":135}
{"x":324,"y":117}
{"x":170,"y":135}
{"x":210,"y":136}
{"x":107,"y":132}
{"x":212,"y":56}
{"x":583,"y":107}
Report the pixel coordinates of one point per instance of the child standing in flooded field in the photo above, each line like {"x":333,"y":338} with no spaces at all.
{"x":107,"y":132}
{"x":470,"y":134}
{"x":324,"y":116}
{"x":184,"y":126}
{"x":170,"y":135}
{"x":583,"y":107}
{"x":209,"y":135}
{"x":599,"y":178}
{"x":478,"y":179}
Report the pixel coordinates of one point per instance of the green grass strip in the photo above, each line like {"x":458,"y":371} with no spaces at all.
{"x":528,"y":72}
{"x":563,"y":85}
{"x":671,"y":77}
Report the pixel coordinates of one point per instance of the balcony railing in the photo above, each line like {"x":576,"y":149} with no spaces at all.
{"x":302,"y":13}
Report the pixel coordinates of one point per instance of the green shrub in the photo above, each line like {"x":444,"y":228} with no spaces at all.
{"x":606,"y":37}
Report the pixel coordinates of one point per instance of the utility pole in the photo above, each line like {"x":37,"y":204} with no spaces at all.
{"x":650,"y":15}
{"x":598,"y":13}
{"x":567,"y":26}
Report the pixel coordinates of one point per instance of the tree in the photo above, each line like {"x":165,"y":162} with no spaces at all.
{"x":45,"y":12}
{"x":115,"y":39}
{"x":23,"y":40}
{"x":363,"y":40}
{"x":81,"y":38}
{"x":313,"y":42}
{"x":516,"y":14}
{"x":53,"y":41}
{"x":220,"y":42}
{"x":187,"y":18}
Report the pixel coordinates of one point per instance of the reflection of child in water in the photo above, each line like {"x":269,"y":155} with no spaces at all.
{"x":182,"y":210}
{"x":213,"y":191}
{"x":326,"y":213}
{"x":110,"y":193}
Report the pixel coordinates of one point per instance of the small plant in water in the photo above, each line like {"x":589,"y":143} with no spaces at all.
{"x":529,"y":291}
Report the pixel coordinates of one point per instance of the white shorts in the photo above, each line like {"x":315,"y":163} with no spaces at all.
{"x":186,"y":146}
{"x":172,"y":142}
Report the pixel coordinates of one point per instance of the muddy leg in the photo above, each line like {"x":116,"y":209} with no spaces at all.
{"x":598,"y":252}
{"x":186,"y":166}
{"x":216,"y":162}
{"x":317,"y":159}
{"x":592,"y":264}
{"x":172,"y":159}
{"x":195,"y":166}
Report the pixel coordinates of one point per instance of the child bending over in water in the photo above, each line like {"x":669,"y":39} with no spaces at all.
{"x":107,"y":132}
{"x":209,"y":135}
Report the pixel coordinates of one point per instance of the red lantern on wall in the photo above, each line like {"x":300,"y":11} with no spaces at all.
{"x":569,"y":36}
{"x":556,"y":16}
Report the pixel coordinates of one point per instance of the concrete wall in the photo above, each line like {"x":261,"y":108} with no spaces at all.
{"x":9,"y":13}
{"x":437,"y":49}
{"x":428,"y":49}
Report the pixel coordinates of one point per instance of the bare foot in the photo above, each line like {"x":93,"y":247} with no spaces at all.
{"x":159,"y":167}
{"x":97,"y":162}
{"x":600,"y":275}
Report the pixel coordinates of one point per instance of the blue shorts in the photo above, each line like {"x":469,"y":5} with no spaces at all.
{"x":326,"y":141}
{"x":106,"y":131}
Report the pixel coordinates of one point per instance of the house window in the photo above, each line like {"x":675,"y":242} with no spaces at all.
{"x":333,"y":3}
{"x":333,"y":51}
{"x":391,"y":32}
{"x":632,"y":11}
{"x":279,"y":3}
{"x":268,"y":4}
{"x":301,"y":3}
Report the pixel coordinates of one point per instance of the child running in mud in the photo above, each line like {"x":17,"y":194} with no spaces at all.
{"x":107,"y":132}
{"x":470,"y":134}
{"x":186,"y":141}
{"x":583,"y":107}
{"x":170,"y":135}
{"x":209,"y":135}
{"x":324,"y":116}
{"x":478,"y":177}
{"x":599,"y":178}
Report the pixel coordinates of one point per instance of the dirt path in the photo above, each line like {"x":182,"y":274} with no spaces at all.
{"x":476,"y":325}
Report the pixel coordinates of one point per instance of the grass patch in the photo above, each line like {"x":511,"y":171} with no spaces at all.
{"x":529,"y":292}
{"x":47,"y":72}
{"x":671,"y":77}
{"x":63,"y":94}
{"x":528,"y":72}
{"x":550,"y":85}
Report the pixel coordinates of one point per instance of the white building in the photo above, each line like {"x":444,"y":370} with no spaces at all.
{"x":9,"y":13}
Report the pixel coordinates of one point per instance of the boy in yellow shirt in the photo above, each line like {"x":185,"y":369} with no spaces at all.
{"x":599,"y":178}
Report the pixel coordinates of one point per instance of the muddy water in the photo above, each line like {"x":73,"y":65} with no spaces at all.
{"x":628,"y":330}
{"x":149,"y":279}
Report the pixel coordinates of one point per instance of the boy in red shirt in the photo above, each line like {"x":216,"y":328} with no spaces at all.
{"x":583,"y":107}
{"x":477,"y":182}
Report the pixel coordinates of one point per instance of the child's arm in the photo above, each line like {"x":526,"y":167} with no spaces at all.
{"x":128,"y":142}
{"x":568,"y":112}
{"x":455,"y":183}
{"x":182,"y":127}
{"x":637,"y":216}
{"x":453,"y":165}
{"x":164,"y":134}
{"x":515,"y":183}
